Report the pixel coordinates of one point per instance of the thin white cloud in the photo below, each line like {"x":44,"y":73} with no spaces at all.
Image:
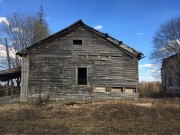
{"x":3,"y":52}
{"x":153,"y":71}
{"x":140,"y":33}
{"x":98,"y":27}
{"x":4,"y":20}
{"x":3,"y":56}
{"x":174,"y":42}
{"x":149,"y":66}
{"x":170,"y":46}
{"x":17,"y":30}
{"x":147,"y":78}
{"x":149,"y":72}
{"x":162,"y":49}
{"x":146,"y":65}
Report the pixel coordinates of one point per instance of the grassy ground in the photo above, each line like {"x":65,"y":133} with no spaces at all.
{"x":148,"y":116}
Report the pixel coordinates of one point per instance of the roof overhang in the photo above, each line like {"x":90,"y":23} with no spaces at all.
{"x":68,"y":29}
{"x":9,"y":74}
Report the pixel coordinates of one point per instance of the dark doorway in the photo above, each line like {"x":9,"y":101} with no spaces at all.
{"x":82,"y":76}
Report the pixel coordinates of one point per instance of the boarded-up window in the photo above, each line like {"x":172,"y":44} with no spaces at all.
{"x":82,"y":76}
{"x":116,"y":89}
{"x":99,"y":89}
{"x":129,"y":90}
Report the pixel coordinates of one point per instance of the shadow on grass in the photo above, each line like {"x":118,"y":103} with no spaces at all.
{"x":160,"y":95}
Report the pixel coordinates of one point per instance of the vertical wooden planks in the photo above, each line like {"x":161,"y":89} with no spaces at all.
{"x":24,"y":79}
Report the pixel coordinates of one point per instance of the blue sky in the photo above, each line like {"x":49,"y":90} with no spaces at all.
{"x":131,"y":21}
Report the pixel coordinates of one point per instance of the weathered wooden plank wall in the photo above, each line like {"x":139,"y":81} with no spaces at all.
{"x":53,"y":67}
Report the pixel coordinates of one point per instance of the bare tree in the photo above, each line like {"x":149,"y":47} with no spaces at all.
{"x":166,"y":51}
{"x":166,"y":40}
{"x":20,"y":32}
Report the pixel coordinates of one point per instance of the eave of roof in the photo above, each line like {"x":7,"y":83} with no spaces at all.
{"x":73,"y":26}
{"x":9,"y":74}
{"x":175,"y":57}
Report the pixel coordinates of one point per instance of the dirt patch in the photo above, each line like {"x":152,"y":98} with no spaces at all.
{"x":145,"y":104}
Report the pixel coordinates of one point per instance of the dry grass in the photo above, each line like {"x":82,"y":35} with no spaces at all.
{"x":112,"y":117}
{"x":149,"y":89}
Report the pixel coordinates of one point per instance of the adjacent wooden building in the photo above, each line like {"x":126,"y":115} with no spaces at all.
{"x":79,"y":62}
{"x":170,"y":74}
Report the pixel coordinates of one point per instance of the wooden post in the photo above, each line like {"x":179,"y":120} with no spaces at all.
{"x":24,"y":79}
{"x":7,"y":88}
{"x":124,"y":89}
{"x":136,"y":90}
{"x":12,"y":89}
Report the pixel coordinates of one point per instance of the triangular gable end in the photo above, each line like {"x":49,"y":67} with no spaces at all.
{"x":123,"y":47}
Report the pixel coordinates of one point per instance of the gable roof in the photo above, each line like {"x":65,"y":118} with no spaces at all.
{"x":72,"y":27}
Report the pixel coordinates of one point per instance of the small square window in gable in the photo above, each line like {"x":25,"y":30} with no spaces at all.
{"x":77,"y":42}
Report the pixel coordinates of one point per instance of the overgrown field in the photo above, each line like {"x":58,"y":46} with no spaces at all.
{"x":148,"y":116}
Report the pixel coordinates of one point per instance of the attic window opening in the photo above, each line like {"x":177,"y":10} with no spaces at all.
{"x":82,"y":76}
{"x":77,"y":42}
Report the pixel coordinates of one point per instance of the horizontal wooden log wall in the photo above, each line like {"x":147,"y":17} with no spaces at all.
{"x":53,"y":67}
